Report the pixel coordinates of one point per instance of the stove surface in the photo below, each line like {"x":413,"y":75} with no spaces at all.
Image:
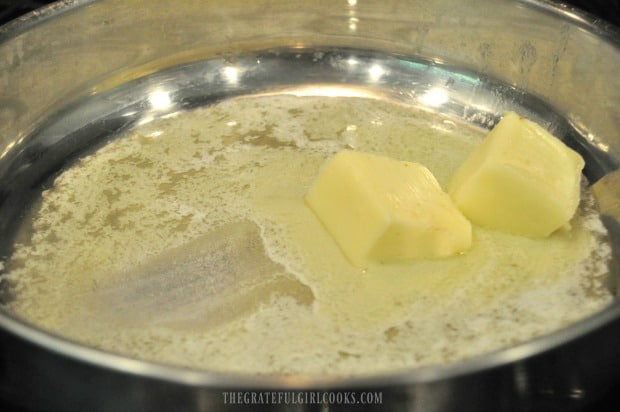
{"x":608,"y":10}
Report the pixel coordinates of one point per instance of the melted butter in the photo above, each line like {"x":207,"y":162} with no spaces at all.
{"x":175,"y":181}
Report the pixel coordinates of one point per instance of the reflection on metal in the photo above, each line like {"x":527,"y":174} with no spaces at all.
{"x":353,"y":20}
{"x":352,"y":61}
{"x":376,"y":72}
{"x":353,"y":23}
{"x":435,"y":97}
{"x":577,"y":393}
{"x":160,"y":100}
{"x":231,"y":74}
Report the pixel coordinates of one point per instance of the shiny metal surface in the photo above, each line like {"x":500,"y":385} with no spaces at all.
{"x":80,"y":72}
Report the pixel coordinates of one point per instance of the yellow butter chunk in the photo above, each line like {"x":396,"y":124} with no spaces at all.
{"x":381,"y":209}
{"x":521,"y":180}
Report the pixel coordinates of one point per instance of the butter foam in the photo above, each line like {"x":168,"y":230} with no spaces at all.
{"x":175,"y":181}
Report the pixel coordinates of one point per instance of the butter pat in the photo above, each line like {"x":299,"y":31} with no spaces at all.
{"x":520,"y":180}
{"x":380,"y":209}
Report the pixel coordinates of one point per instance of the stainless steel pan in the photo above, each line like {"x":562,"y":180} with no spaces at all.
{"x":70,"y":74}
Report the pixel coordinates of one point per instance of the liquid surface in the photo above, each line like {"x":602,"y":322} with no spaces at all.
{"x":187,"y":241}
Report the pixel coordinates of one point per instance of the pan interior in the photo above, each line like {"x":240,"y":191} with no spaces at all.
{"x":168,"y":223}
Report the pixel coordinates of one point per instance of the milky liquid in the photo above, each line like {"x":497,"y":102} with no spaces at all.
{"x":113,"y":258}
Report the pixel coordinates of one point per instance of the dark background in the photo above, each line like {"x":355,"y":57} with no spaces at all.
{"x":608,"y":10}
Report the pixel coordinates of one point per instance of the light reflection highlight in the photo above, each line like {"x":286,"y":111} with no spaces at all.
{"x":435,"y":97}
{"x":160,"y":100}
{"x":376,"y":72}
{"x":353,"y":23}
{"x":8,"y":148}
{"x":352,"y":12}
{"x":231,"y":74}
